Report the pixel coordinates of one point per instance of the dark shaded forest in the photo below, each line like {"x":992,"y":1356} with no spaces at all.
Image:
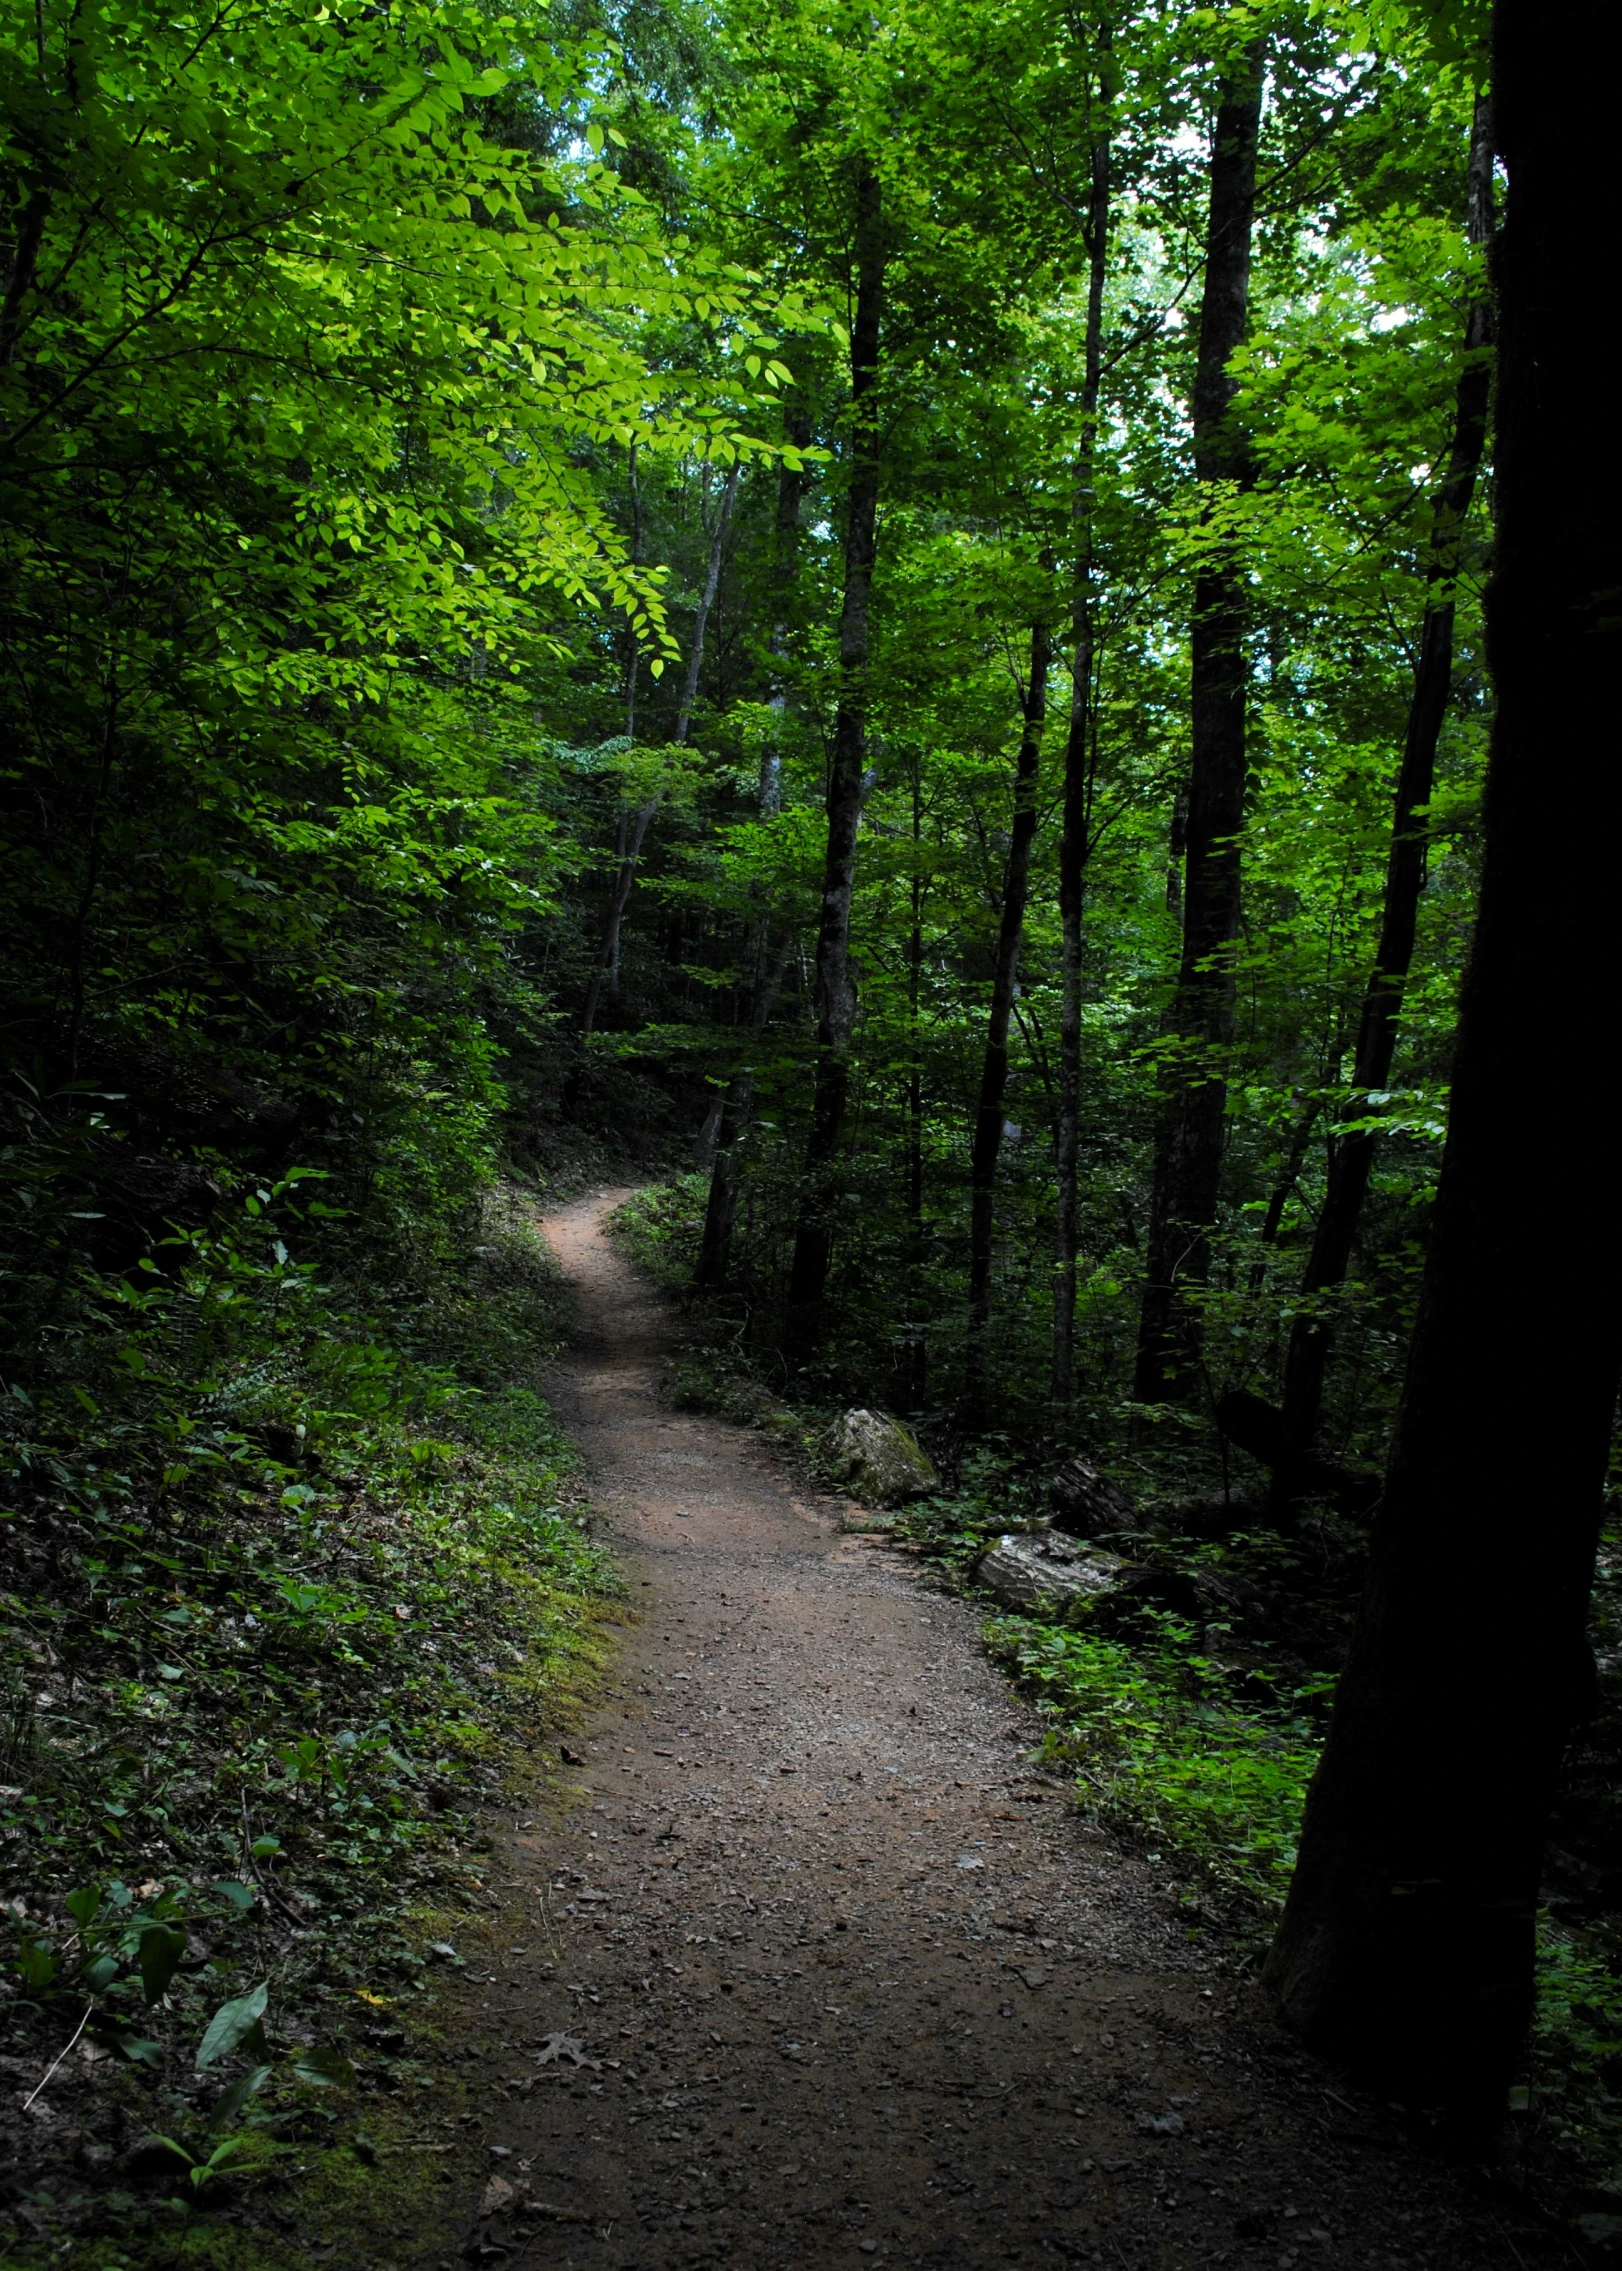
{"x":975,"y":644}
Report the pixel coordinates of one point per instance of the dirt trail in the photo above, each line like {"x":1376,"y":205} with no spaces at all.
{"x":853,"y":1982}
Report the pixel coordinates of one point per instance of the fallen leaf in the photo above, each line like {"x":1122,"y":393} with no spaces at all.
{"x":498,"y":2194}
{"x":560,"y":2046}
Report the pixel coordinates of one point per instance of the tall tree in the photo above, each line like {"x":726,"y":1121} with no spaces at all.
{"x":1353,"y":1149}
{"x":1407,"y":1942}
{"x":835,"y":988}
{"x":1075,"y":842}
{"x":1188,"y":1150}
{"x":986,"y":1147}
{"x":634,"y":822}
{"x":724,"y":1131}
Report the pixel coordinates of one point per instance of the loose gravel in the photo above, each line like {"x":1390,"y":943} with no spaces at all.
{"x":819,"y":1968}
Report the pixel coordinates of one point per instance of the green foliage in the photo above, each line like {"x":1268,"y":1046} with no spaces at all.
{"x":280,"y":1612}
{"x":368,"y":384}
{"x":661,"y":1226}
{"x":1160,"y":1747}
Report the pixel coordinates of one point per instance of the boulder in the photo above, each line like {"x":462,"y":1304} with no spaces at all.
{"x":1086,"y":1505}
{"x":876,"y":1459}
{"x":1025,"y":1572}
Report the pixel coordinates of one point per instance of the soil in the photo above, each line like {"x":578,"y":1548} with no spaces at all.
{"x":820,"y":1968}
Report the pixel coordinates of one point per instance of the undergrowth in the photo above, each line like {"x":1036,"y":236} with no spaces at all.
{"x":660,"y":1228}
{"x":285,"y":1580}
{"x":1158,"y":1746}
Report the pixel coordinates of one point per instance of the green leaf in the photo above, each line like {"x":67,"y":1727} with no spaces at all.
{"x":325,"y":2066}
{"x":235,"y":2026}
{"x":231,"y":2101}
{"x":36,"y":1964}
{"x":162,"y":1951}
{"x":84,"y":1905}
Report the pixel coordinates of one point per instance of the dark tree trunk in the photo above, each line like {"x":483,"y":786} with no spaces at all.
{"x":1353,"y":1152}
{"x":914,"y":1362}
{"x":988,"y":1118}
{"x":1076,"y":839}
{"x":20,"y":269}
{"x":1188,"y":1149}
{"x":724,"y":1129}
{"x":835,"y":988}
{"x":633,"y":829}
{"x":721,"y":1209}
{"x":1407,"y":1942}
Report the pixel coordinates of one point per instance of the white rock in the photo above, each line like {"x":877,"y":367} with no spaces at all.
{"x":1022,"y":1572}
{"x":876,"y":1459}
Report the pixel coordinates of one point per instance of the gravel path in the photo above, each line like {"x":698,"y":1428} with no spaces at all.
{"x":840,"y":1978}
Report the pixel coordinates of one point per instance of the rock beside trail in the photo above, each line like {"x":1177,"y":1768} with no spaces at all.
{"x":876,"y":1459}
{"x":1087,"y":1505}
{"x":1022,"y":1572}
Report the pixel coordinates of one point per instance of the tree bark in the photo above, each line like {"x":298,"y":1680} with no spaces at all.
{"x":732,"y":1117}
{"x":914,"y":1366}
{"x":633,"y":829}
{"x":721,"y":1208}
{"x":1407,"y":1942}
{"x":1188,"y":1149}
{"x":988,"y":1119}
{"x":1310,"y":1341}
{"x":835,"y":989}
{"x":1075,"y":841}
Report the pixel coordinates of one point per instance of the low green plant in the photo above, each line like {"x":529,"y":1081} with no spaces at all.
{"x":1160,"y":1747}
{"x":660,"y":1228}
{"x":273,"y":1615}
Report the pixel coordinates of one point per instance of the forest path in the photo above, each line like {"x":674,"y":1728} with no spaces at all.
{"x":852,"y":1980}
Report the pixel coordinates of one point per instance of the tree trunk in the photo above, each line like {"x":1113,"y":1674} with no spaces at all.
{"x":605,"y":978}
{"x":701,"y":621}
{"x":1075,"y":842}
{"x":1188,"y":1149}
{"x":721,"y":1209}
{"x":915,"y":1358}
{"x":988,"y":1119}
{"x":835,"y":990}
{"x":732,"y":1115}
{"x":1407,"y":1942}
{"x":1350,"y":1160}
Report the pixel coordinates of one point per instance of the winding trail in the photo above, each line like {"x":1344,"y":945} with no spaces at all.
{"x":853,"y":1982}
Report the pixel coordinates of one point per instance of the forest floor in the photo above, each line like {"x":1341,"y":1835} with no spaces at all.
{"x":816,"y":1966}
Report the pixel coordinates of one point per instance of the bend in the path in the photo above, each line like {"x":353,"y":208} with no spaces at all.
{"x":851,"y":1980}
